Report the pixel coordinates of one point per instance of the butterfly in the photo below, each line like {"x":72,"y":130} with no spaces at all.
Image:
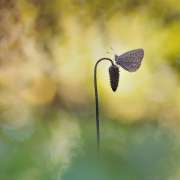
{"x":131,"y":60}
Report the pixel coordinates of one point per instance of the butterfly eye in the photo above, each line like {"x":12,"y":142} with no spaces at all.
{"x":114,"y":76}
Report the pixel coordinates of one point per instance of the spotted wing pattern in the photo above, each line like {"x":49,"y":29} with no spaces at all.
{"x":131,"y":60}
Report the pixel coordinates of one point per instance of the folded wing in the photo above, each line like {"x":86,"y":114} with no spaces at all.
{"x":131,"y":60}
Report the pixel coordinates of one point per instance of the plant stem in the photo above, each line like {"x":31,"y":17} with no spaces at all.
{"x":97,"y":101}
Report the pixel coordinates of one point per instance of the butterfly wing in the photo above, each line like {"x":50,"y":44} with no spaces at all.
{"x":131,"y":60}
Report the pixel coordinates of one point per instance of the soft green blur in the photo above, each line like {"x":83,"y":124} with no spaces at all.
{"x":48,"y":50}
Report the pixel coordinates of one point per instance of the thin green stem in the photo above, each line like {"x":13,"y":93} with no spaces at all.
{"x":97,"y":100}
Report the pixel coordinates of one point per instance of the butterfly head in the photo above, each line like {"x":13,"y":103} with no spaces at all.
{"x":116,"y":57}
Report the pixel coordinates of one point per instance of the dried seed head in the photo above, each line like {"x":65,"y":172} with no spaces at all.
{"x":114,"y":76}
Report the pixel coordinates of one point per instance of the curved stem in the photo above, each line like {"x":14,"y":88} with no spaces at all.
{"x":97,"y":101}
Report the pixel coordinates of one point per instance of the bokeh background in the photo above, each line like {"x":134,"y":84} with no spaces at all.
{"x":48,"y":50}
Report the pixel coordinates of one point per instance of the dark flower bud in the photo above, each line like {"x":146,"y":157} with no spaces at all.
{"x":114,"y":76}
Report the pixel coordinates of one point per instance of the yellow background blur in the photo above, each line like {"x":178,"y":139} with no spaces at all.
{"x":48,"y":50}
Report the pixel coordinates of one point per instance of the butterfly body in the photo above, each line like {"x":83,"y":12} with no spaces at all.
{"x":131,"y":60}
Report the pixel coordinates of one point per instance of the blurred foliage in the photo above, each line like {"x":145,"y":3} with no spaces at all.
{"x":47,"y":53}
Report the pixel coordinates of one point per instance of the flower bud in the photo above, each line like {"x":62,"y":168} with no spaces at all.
{"x":114,"y":76}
